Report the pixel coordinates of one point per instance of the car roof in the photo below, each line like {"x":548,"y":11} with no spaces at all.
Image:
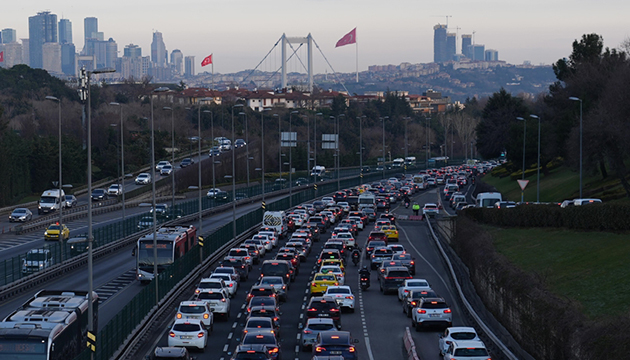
{"x":320,"y":321}
{"x":187,"y":321}
{"x":192,"y":303}
{"x":461,"y":329}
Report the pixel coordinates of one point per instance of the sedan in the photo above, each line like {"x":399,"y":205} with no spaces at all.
{"x":188,"y":333}
{"x":335,"y":343}
{"x":161,"y":164}
{"x":239,"y":143}
{"x":185,"y":162}
{"x":412,"y":285}
{"x":21,"y":214}
{"x":99,"y":194}
{"x":143,"y":179}
{"x":268,"y":339}
{"x":166,"y":170}
{"x":430,"y":209}
{"x":343,"y":296}
{"x":313,"y":327}
{"x":114,"y":190}
{"x":52,"y":233}
{"x":71,"y":201}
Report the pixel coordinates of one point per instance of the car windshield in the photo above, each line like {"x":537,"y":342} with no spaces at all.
{"x":186,"y":327}
{"x":320,"y":327}
{"x":53,"y":227}
{"x":192,"y":309}
{"x":463,"y":335}
{"x":324,"y":278}
{"x":35,"y":256}
{"x":338,"y":291}
{"x":259,"y":339}
{"x":471,"y":352}
{"x":19,"y":211}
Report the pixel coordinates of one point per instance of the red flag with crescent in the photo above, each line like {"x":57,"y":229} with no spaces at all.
{"x":207,"y":60}
{"x":349,"y":38}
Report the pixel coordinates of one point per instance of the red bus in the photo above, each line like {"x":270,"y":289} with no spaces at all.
{"x":173,"y":242}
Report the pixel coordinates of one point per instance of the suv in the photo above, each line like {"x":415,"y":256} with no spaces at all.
{"x":411,"y":299}
{"x":277,"y":268}
{"x":196,"y":310}
{"x":468,"y":349}
{"x":330,"y":343}
{"x":239,"y":264}
{"x":324,"y":307}
{"x":431,"y":311}
{"x":36,"y":260}
{"x":218,"y":302}
{"x":251,"y":352}
{"x":392,"y":278}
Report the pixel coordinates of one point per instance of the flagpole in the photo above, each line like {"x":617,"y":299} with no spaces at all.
{"x":212,"y":71}
{"x":357,"y":57}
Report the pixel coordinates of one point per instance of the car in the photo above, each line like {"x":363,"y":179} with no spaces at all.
{"x":145,"y":222}
{"x":411,"y":285}
{"x":373,"y":244}
{"x":431,"y":311}
{"x":252,"y":249}
{"x":239,"y":143}
{"x":186,"y":162}
{"x":21,"y":215}
{"x":396,"y":248}
{"x":504,"y":205}
{"x":391,"y":231}
{"x":412,"y":299}
{"x":196,"y":310}
{"x":171,"y":353}
{"x":99,"y":194}
{"x":143,"y":179}
{"x":188,"y":333}
{"x":333,"y":269}
{"x":161,"y":210}
{"x":324,"y":307}
{"x":407,"y":260}
{"x":251,"y":352}
{"x":265,"y":300}
{"x":255,"y":324}
{"x":114,"y":190}
{"x":335,"y":343}
{"x":392,"y":278}
{"x":456,"y":334}
{"x":166,"y":170}
{"x":208,"y":284}
{"x":379,"y":255}
{"x":37,"y":260}
{"x":268,"y":311}
{"x":218,"y":301}
{"x":365,"y":169}
{"x":243,"y":254}
{"x":71,"y":201}
{"x":343,"y":296}
{"x":215,"y":151}
{"x":262,"y":290}
{"x":235,"y":275}
{"x":466,"y":349}
{"x":239,"y":264}
{"x":161,"y":164}
{"x":231,"y":285}
{"x":461,"y":206}
{"x":280,"y":184}
{"x":430,"y":209}
{"x":52,"y":232}
{"x":328,"y":200}
{"x":277,"y":283}
{"x":321,"y":281}
{"x":312,"y":328}
{"x":266,"y":338}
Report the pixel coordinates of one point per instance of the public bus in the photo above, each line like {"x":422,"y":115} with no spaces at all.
{"x":172,"y":242}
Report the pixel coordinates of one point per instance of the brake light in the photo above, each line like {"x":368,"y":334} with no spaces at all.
{"x":413,"y":303}
{"x":171,"y":334}
{"x":320,"y":349}
{"x":273,"y":351}
{"x":312,"y":309}
{"x":447,"y":311}
{"x":230,"y":284}
{"x":179,"y":316}
{"x":350,"y":297}
{"x":197,"y":291}
{"x":334,"y":310}
{"x":351,"y":349}
{"x":308,"y":332}
{"x":200,"y":335}
{"x":422,"y":311}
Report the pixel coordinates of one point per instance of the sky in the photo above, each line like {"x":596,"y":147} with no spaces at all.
{"x":239,"y":33}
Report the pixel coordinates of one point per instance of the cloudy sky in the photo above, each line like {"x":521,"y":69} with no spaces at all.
{"x":241,"y":32}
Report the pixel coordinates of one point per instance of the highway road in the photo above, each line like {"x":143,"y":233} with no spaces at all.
{"x":378,"y":322}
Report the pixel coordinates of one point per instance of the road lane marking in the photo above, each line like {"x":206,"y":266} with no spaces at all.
{"x":225,"y":348}
{"x":230,"y":336}
{"x":234,"y":325}
{"x":238,"y":316}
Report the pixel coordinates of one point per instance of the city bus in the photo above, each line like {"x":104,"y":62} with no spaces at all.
{"x":172,"y":242}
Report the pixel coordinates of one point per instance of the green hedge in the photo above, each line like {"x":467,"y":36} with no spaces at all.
{"x":604,"y":217}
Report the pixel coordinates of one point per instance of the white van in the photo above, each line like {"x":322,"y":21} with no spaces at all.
{"x":488,"y":199}
{"x":367,"y":199}
{"x":318,"y":171}
{"x":50,"y":201}
{"x":580,"y":202}
{"x":276,"y":220}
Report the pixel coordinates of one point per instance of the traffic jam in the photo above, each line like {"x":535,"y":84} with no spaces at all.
{"x":312,"y":264}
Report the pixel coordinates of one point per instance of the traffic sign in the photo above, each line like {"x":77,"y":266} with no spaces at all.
{"x":522,"y":183}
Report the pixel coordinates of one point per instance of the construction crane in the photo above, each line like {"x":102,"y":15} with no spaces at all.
{"x":446,"y":16}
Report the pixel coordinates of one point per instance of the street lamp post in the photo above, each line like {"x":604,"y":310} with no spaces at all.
{"x":61,"y":198}
{"x":573,"y":98}
{"x":315,"y":145}
{"x":262,"y":150}
{"x":426,"y":142}
{"x":122,"y":158}
{"x":167,"y":108}
{"x":246,"y":145}
{"x":212,"y":135}
{"x":290,"y":158}
{"x":383,"y":166}
{"x":360,"y":118}
{"x":234,"y":175}
{"x":524,"y":135}
{"x":86,"y":95}
{"x":538,"y":162}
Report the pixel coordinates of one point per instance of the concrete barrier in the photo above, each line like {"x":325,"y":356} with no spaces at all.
{"x":409,"y":346}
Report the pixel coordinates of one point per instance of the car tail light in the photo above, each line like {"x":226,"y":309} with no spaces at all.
{"x":312,"y":309}
{"x":422,"y":311}
{"x":308,"y":332}
{"x":197,"y":291}
{"x":171,"y":334}
{"x":179,"y":316}
{"x":206,"y":316}
{"x":230,"y":284}
{"x":413,"y":303}
{"x":351,"y":349}
{"x":273,"y":351}
{"x":447,"y":311}
{"x":320,"y":349}
{"x":334,"y":310}
{"x":200,"y":335}
{"x":350,"y":297}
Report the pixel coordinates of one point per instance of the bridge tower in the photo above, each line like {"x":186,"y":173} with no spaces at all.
{"x":308,"y":40}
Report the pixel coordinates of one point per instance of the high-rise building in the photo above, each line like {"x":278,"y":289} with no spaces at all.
{"x":42,"y":28}
{"x":90,"y":27}
{"x":111,"y":53}
{"x":189,"y":66}
{"x":65,"y":31}
{"x":26,"y":51}
{"x":8,"y":36}
{"x":51,"y":57}
{"x":12,"y":54}
{"x":158,"y":50}
{"x":491,"y":55}
{"x":439,"y":43}
{"x":68,"y":59}
{"x":132,"y":51}
{"x":451,"y":46}
{"x":466,"y":43}
{"x":177,"y":61}
{"x":478,"y":52}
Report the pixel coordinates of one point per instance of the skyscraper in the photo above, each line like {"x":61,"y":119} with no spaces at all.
{"x":439,"y":43}
{"x":491,"y":55}
{"x":111,"y":53}
{"x":68,"y":55}
{"x":90,"y":27}
{"x":12,"y":54}
{"x":51,"y":57}
{"x":132,"y":51}
{"x":466,"y":43}
{"x":451,"y":45}
{"x":8,"y":36}
{"x":189,"y":66}
{"x":42,"y":28}
{"x":26,"y":51}
{"x":65,"y":31}
{"x":177,"y":61}
{"x":158,"y":50}
{"x":478,"y":52}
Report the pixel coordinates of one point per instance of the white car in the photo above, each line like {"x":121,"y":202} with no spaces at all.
{"x":196,"y":310}
{"x":218,"y":301}
{"x":114,"y":190}
{"x":166,"y":169}
{"x":188,"y":333}
{"x":358,"y":221}
{"x":328,"y":201}
{"x":265,"y":241}
{"x":346,"y":237}
{"x":331,"y":216}
{"x":467,"y":349}
{"x":207,"y":284}
{"x":456,"y":334}
{"x":344,"y":206}
{"x":229,"y":270}
{"x":212,"y":192}
{"x":325,"y":269}
{"x":396,"y":248}
{"x":343,"y":296}
{"x":259,"y":245}
{"x":143,"y":179}
{"x":232,"y":285}
{"x":412,"y":285}
{"x":430,"y":209}
{"x":271,"y":235}
{"x":431,"y":311}
{"x":161,"y":164}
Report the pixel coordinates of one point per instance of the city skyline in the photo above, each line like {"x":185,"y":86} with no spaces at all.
{"x":386,"y":35}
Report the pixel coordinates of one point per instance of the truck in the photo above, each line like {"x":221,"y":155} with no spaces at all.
{"x":276,"y":220}
{"x":50,"y":201}
{"x":37,"y":260}
{"x":367,"y":199}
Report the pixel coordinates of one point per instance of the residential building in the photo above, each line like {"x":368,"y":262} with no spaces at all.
{"x":491,"y":55}
{"x":8,"y":36}
{"x":451,"y":46}
{"x":189,"y":66}
{"x":439,"y":43}
{"x":65,"y":31}
{"x":12,"y":54}
{"x":158,"y":50}
{"x":478,"y":52}
{"x":42,"y":28}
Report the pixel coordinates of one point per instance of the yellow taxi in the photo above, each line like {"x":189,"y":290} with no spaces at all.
{"x":52,"y":233}
{"x":334,"y":262}
{"x":322,"y":281}
{"x":391,"y":231}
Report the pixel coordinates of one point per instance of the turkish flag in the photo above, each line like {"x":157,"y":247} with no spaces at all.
{"x":349,"y":38}
{"x":1,"y":56}
{"x":207,"y":60}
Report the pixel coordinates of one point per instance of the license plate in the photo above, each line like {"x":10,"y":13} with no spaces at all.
{"x":323,"y":315}
{"x":192,"y":317}
{"x":185,"y":337}
{"x":435,"y":315}
{"x":336,"y":353}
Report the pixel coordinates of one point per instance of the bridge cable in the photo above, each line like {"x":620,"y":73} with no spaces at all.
{"x":261,"y":61}
{"x":334,"y":72}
